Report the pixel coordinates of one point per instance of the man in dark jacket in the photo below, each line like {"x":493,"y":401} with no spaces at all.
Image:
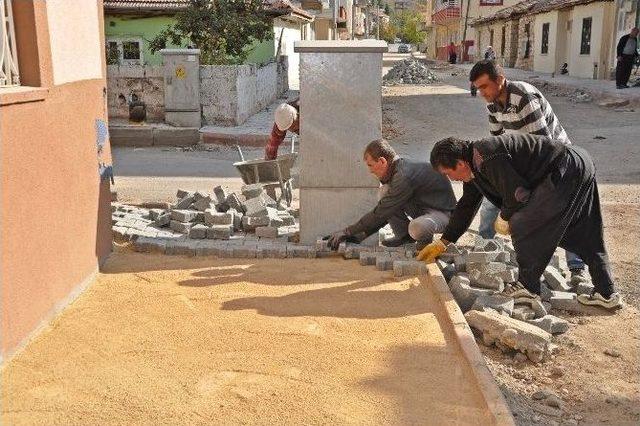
{"x":627,"y":51}
{"x":548,"y":197}
{"x":415,"y":200}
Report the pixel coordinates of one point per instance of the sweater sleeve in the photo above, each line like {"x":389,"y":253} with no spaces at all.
{"x":466,"y":208}
{"x":399,"y":193}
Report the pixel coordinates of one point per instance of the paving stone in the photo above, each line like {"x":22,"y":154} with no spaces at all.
{"x":406,"y":268}
{"x":245,"y":251}
{"x":255,"y":207}
{"x":199,"y":195}
{"x":503,"y":256}
{"x":235,"y":202}
{"x":322,"y":245}
{"x":352,"y":251}
{"x":154,"y":214}
{"x":267,"y":232}
{"x":237,"y":219}
{"x":523,"y":312}
{"x":182,"y":193}
{"x":203,"y":204}
{"x":252,"y":191}
{"x":460,"y":262}
{"x":250,"y":223}
{"x":509,"y":276}
{"x":221,"y":193}
{"x":184,"y":215}
{"x":212,"y":217}
{"x":497,"y":302}
{"x":478,"y":279}
{"x":181,"y":227}
{"x":300,"y":251}
{"x":555,"y":260}
{"x":491,"y":268}
{"x":452,"y":249}
{"x":555,"y":280}
{"x":149,"y":245}
{"x":198,"y":232}
{"x":219,"y":232}
{"x":181,"y":247}
{"x":294,"y":212}
{"x":551,"y":324}
{"x":184,"y":203}
{"x":569,"y":302}
{"x":481,"y":256}
{"x":521,"y":336}
{"x":463,"y":293}
{"x":384,"y":263}
{"x":368,"y":258}
{"x":268,"y":201}
{"x":448,"y":270}
{"x":584,"y":288}
{"x":272,"y":251}
{"x":288,"y":220}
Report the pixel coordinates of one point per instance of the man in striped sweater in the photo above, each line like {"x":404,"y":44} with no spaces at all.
{"x":518,"y":107}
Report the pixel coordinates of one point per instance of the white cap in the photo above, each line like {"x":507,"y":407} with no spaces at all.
{"x":285,"y":115}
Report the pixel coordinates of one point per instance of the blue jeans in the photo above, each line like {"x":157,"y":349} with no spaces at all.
{"x":488,"y":215}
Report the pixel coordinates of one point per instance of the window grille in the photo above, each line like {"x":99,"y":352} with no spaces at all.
{"x":9,"y":75}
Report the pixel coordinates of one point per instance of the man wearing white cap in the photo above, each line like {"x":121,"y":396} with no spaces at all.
{"x":287,"y":118}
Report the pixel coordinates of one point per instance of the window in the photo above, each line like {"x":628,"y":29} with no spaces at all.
{"x":527,"y":44}
{"x":124,"y":52}
{"x":9,"y":75}
{"x":491,"y":38}
{"x":544,"y":49}
{"x":503,"y":40}
{"x":585,"y":41}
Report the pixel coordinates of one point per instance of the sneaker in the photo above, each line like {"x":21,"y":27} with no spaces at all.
{"x":596,"y":299}
{"x":397,"y":242}
{"x":578,"y":276}
{"x":517,"y":290}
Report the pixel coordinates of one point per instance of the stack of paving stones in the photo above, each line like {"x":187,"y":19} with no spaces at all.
{"x":409,"y":71}
{"x":222,"y":215}
{"x":478,"y":277}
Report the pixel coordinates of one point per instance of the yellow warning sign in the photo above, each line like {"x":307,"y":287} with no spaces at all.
{"x":181,"y":73}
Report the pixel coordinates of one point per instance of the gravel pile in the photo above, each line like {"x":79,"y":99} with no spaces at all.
{"x":409,"y":71}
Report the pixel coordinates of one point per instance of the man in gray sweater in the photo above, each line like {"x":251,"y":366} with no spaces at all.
{"x":414,"y":199}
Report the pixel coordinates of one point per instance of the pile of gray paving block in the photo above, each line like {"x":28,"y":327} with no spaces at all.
{"x":218,"y":216}
{"x":478,"y":276}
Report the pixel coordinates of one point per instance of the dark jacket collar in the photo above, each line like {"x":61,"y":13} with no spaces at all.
{"x":393,"y":168}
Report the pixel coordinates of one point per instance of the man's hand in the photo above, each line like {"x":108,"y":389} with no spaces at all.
{"x":336,"y":238}
{"x":502,"y":226}
{"x":430,"y":252}
{"x":270,"y":152}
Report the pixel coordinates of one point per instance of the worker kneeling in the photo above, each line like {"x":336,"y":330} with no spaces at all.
{"x":414,"y":199}
{"x":548,"y":197}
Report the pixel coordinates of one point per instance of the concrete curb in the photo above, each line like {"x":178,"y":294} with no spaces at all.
{"x":254,"y":140}
{"x":496,"y":404}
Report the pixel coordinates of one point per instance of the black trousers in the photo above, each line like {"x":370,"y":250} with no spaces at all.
{"x":452,"y":58}
{"x":563,"y":211}
{"x":623,"y":69}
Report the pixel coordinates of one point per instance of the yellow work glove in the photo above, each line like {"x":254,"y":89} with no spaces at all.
{"x":501,"y":226}
{"x":430,"y":252}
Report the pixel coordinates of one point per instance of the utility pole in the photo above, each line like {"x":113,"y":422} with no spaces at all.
{"x":377,"y":19}
{"x":464,"y":32}
{"x":336,"y":6}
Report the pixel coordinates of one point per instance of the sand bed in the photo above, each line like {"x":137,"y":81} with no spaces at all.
{"x":172,"y":340}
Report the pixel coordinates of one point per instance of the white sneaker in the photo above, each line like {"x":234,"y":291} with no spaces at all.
{"x":596,"y":299}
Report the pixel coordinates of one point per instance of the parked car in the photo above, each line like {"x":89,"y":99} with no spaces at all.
{"x":403,"y":48}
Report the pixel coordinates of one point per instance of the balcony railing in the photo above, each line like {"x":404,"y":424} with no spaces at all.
{"x":9,"y":75}
{"x":445,"y":9}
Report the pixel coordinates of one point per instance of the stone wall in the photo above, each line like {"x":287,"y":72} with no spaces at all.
{"x":145,"y":82}
{"x":230,"y":94}
{"x":521,"y":61}
{"x":483,"y":34}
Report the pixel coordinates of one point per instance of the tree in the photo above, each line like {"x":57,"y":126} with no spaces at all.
{"x":408,"y":24}
{"x":223,"y":30}
{"x":387,"y":9}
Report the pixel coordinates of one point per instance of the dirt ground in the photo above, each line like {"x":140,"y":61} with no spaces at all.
{"x":595,"y":388}
{"x":174,"y":340}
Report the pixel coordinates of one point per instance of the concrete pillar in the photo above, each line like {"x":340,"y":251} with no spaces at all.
{"x":182,"y":87}
{"x":341,"y":112}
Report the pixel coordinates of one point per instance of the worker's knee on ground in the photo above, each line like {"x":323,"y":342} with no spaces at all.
{"x":422,"y":229}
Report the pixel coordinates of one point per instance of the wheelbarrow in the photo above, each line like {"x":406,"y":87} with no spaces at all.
{"x":270,"y":173}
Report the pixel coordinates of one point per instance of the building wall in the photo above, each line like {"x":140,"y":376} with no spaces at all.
{"x":148,"y":27}
{"x":546,"y":62}
{"x":74,"y":40}
{"x":291,"y":32}
{"x":139,"y":28}
{"x":523,"y":62}
{"x":478,"y":11}
{"x":582,"y":65}
{"x":56,"y":224}
{"x":144,"y":81}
